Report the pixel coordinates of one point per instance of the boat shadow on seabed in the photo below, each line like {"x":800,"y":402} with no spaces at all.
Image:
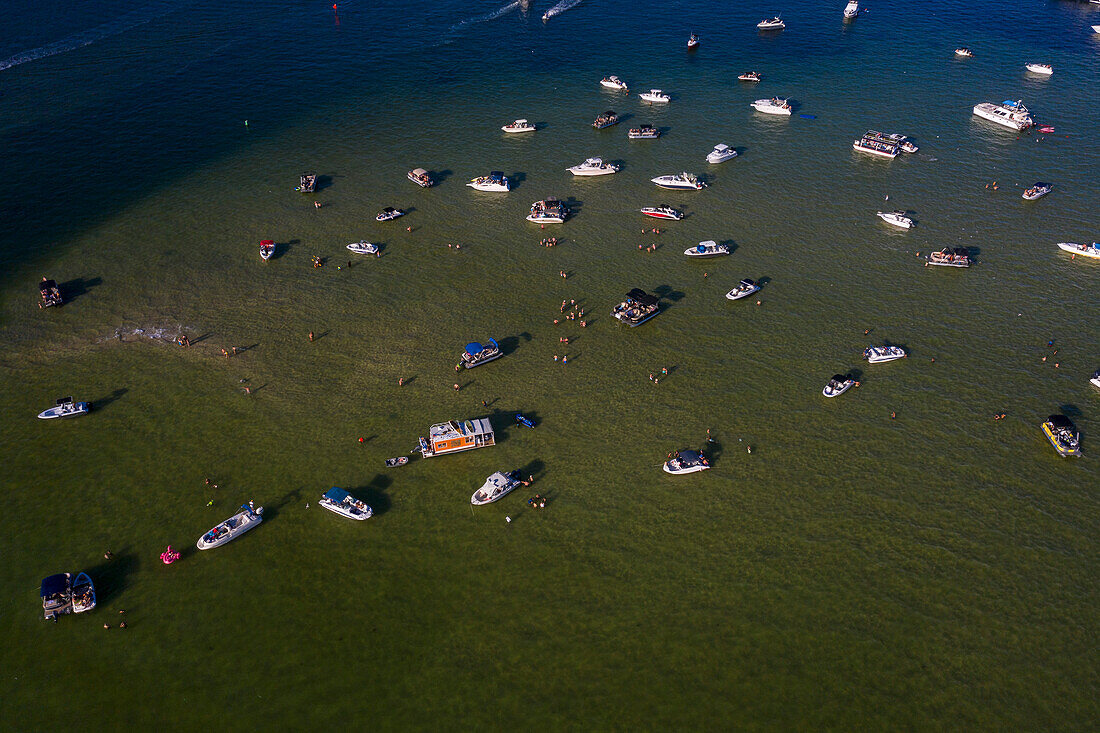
{"x":374,"y":493}
{"x":111,"y":577}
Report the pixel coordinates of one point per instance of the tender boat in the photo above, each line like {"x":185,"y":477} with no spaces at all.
{"x":685,"y":181}
{"x":1086,"y":250}
{"x":964,"y":52}
{"x":519,"y":126}
{"x":389,"y":214}
{"x":947,"y":257}
{"x":83,"y":593}
{"x":643,"y":132}
{"x":420,"y":177}
{"x":1037,"y":191}
{"x":477,"y":354}
{"x":851,"y":10}
{"x":896,"y":218}
{"x":49,"y":294}
{"x":743,"y":290}
{"x":65,"y":407}
{"x":267,"y":249}
{"x":399,"y":461}
{"x":707,"y":249}
{"x":721,"y":154}
{"x":638,"y":308}
{"x":495,"y":487}
{"x":614,"y":82}
{"x":693,"y":41}
{"x":607,"y":119}
{"x":495,"y":181}
{"x":1095,"y":380}
{"x":750,"y":76}
{"x":1008,"y":113}
{"x":456,"y":436}
{"x":663,"y":212}
{"x":1044,"y":69}
{"x":57,"y":595}
{"x":524,"y":422}
{"x":882,"y":354}
{"x":838,"y":385}
{"x":877,"y":143}
{"x":773,"y":106}
{"x":686,"y":461}
{"x":1063,"y":435}
{"x":771,"y":24}
{"x":548,"y":211}
{"x":363,"y":247}
{"x":231,"y":528}
{"x":307,"y":183}
{"x":656,"y":96}
{"x":593,"y":167}
{"x":341,"y":502}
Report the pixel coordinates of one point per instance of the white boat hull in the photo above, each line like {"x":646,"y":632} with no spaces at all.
{"x":496,"y":490}
{"x":902,"y":222}
{"x":582,"y":172}
{"x":690,"y":469}
{"x":874,"y":151}
{"x":1041,"y":69}
{"x":738,"y":294}
{"x":245,"y":522}
{"x":662,"y":215}
{"x":59,"y":412}
{"x":490,"y":187}
{"x":1080,"y":249}
{"x":363,"y":248}
{"x":721,"y":158}
{"x":771,"y":109}
{"x":830,"y":392}
{"x":881,"y":356}
{"x":364,"y":512}
{"x":985,"y":111}
{"x":545,"y":219}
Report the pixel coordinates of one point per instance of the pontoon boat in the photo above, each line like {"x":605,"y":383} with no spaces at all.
{"x":607,"y":119}
{"x":548,"y":211}
{"x":948,"y":257}
{"x":57,"y":595}
{"x":638,"y":308}
{"x":307,"y":183}
{"x":643,"y":132}
{"x":477,"y":354}
{"x":420,"y":177}
{"x":48,"y":294}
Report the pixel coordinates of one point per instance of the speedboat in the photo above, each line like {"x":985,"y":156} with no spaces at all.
{"x":1007,"y":113}
{"x":947,"y":257}
{"x":838,"y":385}
{"x":773,"y":106}
{"x":743,"y":290}
{"x":851,"y":10}
{"x":638,"y":308}
{"x":495,"y":487}
{"x":83,"y":593}
{"x":1087,"y":250}
{"x":693,"y":41}
{"x":363,"y":247}
{"x":477,"y":354}
{"x":307,"y":183}
{"x":686,"y":181}
{"x":341,"y":502}
{"x":593,"y":167}
{"x":771,"y":24}
{"x":267,"y":248}
{"x":388,"y":214}
{"x":49,"y":294}
{"x":614,"y":82}
{"x":1038,"y":191}
{"x":548,"y":211}
{"x":1095,"y":380}
{"x":643,"y":132}
{"x":750,"y":76}
{"x":897,"y":218}
{"x":686,"y":461}
{"x":495,"y":181}
{"x":656,"y":96}
{"x":964,"y":52}
{"x":65,"y":407}
{"x":881,"y":354}
{"x":231,"y":528}
{"x":1044,"y":69}
{"x":420,"y":177}
{"x":707,"y":249}
{"x":1063,"y":435}
{"x":663,"y":212}
{"x":519,"y":126}
{"x":57,"y":595}
{"x":607,"y":119}
{"x":721,"y":153}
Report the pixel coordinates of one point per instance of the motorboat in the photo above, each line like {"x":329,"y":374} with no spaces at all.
{"x":743,"y":290}
{"x":477,"y":354}
{"x":83,"y":593}
{"x":389,"y":214}
{"x":1096,"y":28}
{"x":593,"y":167}
{"x":395,"y":462}
{"x":663,"y":212}
{"x":495,"y":181}
{"x":1007,"y":113}
{"x":643,"y":132}
{"x":307,"y":183}
{"x":231,"y":528}
{"x":750,"y":76}
{"x":693,"y":41}
{"x":948,"y":257}
{"x":1095,"y":379}
{"x":267,"y":249}
{"x":685,"y":181}
{"x":607,"y":119}
{"x":876,"y":143}
{"x":1063,"y":435}
{"x":57,"y":595}
{"x":519,"y":126}
{"x":707,"y":249}
{"x":362,"y":247}
{"x":721,"y":154}
{"x":454,"y":436}
{"x":420,"y":177}
{"x":341,"y":502}
{"x":656,"y":96}
{"x":49,"y":294}
{"x":638,"y":308}
{"x":882,"y":354}
{"x":495,"y":487}
{"x":65,"y":407}
{"x":614,"y":82}
{"x":686,"y":461}
{"x":771,"y":24}
{"x":524,"y":421}
{"x":773,"y":106}
{"x":548,"y":211}
{"x":851,"y":10}
{"x":1086,"y":250}
{"x":964,"y":52}
{"x":896,"y":218}
{"x":1037,"y":191}
{"x":1044,"y":69}
{"x":838,"y":385}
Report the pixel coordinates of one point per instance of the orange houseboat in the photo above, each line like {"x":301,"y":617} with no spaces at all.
{"x":457,"y":435}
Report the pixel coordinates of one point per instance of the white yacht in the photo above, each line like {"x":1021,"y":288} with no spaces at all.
{"x":685,"y":181}
{"x":771,"y":24}
{"x":231,"y":528}
{"x":614,"y":82}
{"x":1085,"y":250}
{"x":1008,"y":113}
{"x":838,"y":385}
{"x":897,"y":218}
{"x":495,"y":181}
{"x":743,"y":290}
{"x":882,"y":354}
{"x":1044,"y":69}
{"x":593,"y":167}
{"x":341,"y":502}
{"x":65,"y":407}
{"x":519,"y":126}
{"x":495,"y":487}
{"x":773,"y":106}
{"x":851,"y":10}
{"x":686,"y":461}
{"x":363,"y":247}
{"x":548,"y":211}
{"x":721,"y":153}
{"x":707,"y":249}
{"x":656,"y":96}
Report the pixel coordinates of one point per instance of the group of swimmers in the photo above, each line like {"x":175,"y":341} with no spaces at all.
{"x":538,"y":501}
{"x":552,"y":241}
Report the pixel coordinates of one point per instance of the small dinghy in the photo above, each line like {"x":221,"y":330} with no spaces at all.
{"x":947,"y":257}
{"x":680,"y":181}
{"x":83,"y":593}
{"x":420,"y":177}
{"x":49,"y":294}
{"x":1063,"y":435}
{"x":363,"y":247}
{"x":721,"y":154}
{"x":1037,"y":191}
{"x":495,"y":487}
{"x":686,"y":461}
{"x":519,"y":126}
{"x":881,"y":354}
{"x":524,"y":422}
{"x":614,"y":82}
{"x":231,"y":528}
{"x":477,"y":354}
{"x":1042,"y":69}
{"x":643,"y":132}
{"x":389,"y":214}
{"x":838,"y":385}
{"x":655,"y":96}
{"x":341,"y":502}
{"x":307,"y":183}
{"x":752,"y":76}
{"x":65,"y":407}
{"x":707,"y":249}
{"x":896,"y":218}
{"x":395,"y":462}
{"x":743,"y":290}
{"x":663,"y":212}
{"x":57,"y":595}
{"x":495,"y":181}
{"x":267,"y":248}
{"x":1085,"y":250}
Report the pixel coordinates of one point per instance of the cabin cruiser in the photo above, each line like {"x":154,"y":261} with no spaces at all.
{"x":420,"y":177}
{"x":341,"y":502}
{"x":693,"y":41}
{"x":643,"y":132}
{"x":607,"y":119}
{"x":897,"y":218}
{"x":307,"y":183}
{"x":876,"y":143}
{"x":1037,"y":191}
{"x":495,"y":487}
{"x":1063,"y":435}
{"x":495,"y":181}
{"x":65,"y":407}
{"x":1044,"y":69}
{"x":1007,"y":113}
{"x":721,"y":153}
{"x":743,"y":290}
{"x":477,"y":354}
{"x":750,"y":76}
{"x":964,"y":52}
{"x":771,"y":24}
{"x":838,"y":385}
{"x":267,"y":249}
{"x":457,"y":435}
{"x":593,"y":167}
{"x":83,"y":593}
{"x":663,"y":211}
{"x":851,"y":10}
{"x":686,"y":461}
{"x":686,"y":181}
{"x":388,"y":214}
{"x":614,"y":82}
{"x":656,"y":96}
{"x":49,"y":294}
{"x":773,"y":106}
{"x":548,"y":211}
{"x":882,"y":354}
{"x":519,"y":126}
{"x":1095,"y":380}
{"x":638,"y":308}
{"x":231,"y":528}
{"x":1086,"y":250}
{"x":57,"y":595}
{"x":363,"y":247}
{"x":707,"y":249}
{"x":947,"y":257}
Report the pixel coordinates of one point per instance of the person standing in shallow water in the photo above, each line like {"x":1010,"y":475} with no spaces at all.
{"x":311,"y":336}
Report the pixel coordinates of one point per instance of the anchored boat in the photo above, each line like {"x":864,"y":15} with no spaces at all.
{"x":83,"y":593}
{"x":1085,"y":250}
{"x":681,"y":181}
{"x":1037,"y":191}
{"x":948,"y":257}
{"x":420,"y":177}
{"x":897,"y":218}
{"x":307,"y":183}
{"x":231,"y":528}
{"x":57,"y":595}
{"x":638,"y":308}
{"x":746,"y":288}
{"x":64,"y":407}
{"x":664,"y":211}
{"x":456,"y":436}
{"x":614,"y":82}
{"x":607,"y":119}
{"x":496,"y":487}
{"x":686,"y":461}
{"x":1008,"y":113}
{"x":838,"y":385}
{"x":548,"y":211}
{"x":721,"y":154}
{"x":363,"y":247}
{"x":882,"y":354}
{"x":643,"y":132}
{"x":495,"y":181}
{"x":389,"y":214}
{"x":49,"y":294}
{"x":1063,"y":435}
{"x":341,"y":502}
{"x":707,"y":249}
{"x":593,"y":167}
{"x":477,"y":354}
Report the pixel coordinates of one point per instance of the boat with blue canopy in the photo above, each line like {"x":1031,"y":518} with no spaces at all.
{"x":477,"y":354}
{"x":341,"y":502}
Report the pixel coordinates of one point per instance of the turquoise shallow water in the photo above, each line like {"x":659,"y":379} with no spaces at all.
{"x":851,"y":570}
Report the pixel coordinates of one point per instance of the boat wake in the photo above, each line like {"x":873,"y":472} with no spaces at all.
{"x":560,"y":8}
{"x":487,"y":16}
